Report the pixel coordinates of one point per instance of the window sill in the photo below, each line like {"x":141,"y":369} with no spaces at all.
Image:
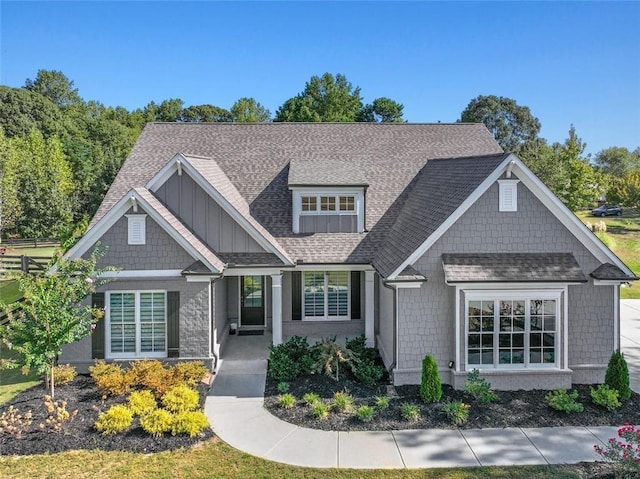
{"x":318,"y":319}
{"x":512,"y":370}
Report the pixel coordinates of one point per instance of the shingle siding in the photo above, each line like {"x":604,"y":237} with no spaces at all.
{"x":427,"y":314}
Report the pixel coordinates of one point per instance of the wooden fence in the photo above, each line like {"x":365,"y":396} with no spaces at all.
{"x":24,"y":263}
{"x":13,"y":309}
{"x":30,"y":242}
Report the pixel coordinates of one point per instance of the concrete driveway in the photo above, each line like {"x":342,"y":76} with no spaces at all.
{"x":630,"y":338}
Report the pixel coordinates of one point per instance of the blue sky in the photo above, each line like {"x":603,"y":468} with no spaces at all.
{"x":574,"y":62}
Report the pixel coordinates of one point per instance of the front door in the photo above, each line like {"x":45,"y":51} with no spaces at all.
{"x":252,"y":301}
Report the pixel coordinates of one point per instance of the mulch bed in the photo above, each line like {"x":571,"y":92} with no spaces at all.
{"x":512,"y":409}
{"x":81,"y":394}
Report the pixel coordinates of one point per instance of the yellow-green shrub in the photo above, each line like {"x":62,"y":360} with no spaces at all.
{"x":111,"y":379}
{"x":142,"y":402}
{"x":180,"y":399}
{"x":63,"y":374}
{"x":116,"y":419}
{"x":151,"y":374}
{"x":189,"y":373}
{"x":157,"y":422}
{"x":190,"y":423}
{"x":100,"y":368}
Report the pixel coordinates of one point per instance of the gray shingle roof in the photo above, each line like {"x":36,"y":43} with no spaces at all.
{"x":512,"y":267}
{"x":250,"y":259}
{"x":438,"y":190}
{"x":608,"y":271}
{"x":255,"y":159}
{"x":326,"y":173}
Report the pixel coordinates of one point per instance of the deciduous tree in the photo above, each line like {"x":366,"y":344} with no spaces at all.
{"x":626,"y":190}
{"x":248,"y":110}
{"x":382,"y":110}
{"x":512,"y":125}
{"x":618,"y":161}
{"x":55,"y":86}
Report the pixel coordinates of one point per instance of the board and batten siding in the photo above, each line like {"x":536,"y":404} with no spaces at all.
{"x":328,"y":223}
{"x":205,"y":217}
{"x":427,"y":315}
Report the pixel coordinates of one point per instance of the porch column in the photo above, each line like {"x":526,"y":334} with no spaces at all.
{"x":276,"y":308}
{"x":369,"y":308}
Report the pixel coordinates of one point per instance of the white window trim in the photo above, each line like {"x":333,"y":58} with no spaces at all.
{"x":326,"y":317}
{"x":559,"y":295}
{"x":508,"y":185}
{"x":299,"y":192}
{"x":131,"y":221}
{"x":107,"y":326}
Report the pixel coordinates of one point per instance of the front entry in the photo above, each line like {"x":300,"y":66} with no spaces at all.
{"x":252,"y":301}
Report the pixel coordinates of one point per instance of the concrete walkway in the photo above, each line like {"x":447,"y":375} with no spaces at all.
{"x":235,"y":410}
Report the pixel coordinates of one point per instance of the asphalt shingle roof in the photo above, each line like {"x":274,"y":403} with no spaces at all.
{"x":512,"y":267}
{"x":608,"y":271}
{"x":326,"y":173}
{"x":255,"y":160}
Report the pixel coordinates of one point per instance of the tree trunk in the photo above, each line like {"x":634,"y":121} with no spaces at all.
{"x":51,"y":381}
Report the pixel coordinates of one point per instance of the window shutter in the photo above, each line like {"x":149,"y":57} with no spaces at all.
{"x":355,"y":295}
{"x":296,"y":295}
{"x":173,"y":324}
{"x":97,"y":335}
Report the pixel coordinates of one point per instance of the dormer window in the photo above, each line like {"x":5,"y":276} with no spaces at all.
{"x":328,"y":210}
{"x":309,"y":203}
{"x":328,"y":203}
{"x":347,"y":203}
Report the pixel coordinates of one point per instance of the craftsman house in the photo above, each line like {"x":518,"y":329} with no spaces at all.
{"x":426,"y":238}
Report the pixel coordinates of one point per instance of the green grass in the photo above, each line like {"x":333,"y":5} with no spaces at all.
{"x":9,"y":291}
{"x":214,"y":458}
{"x":12,"y":381}
{"x":623,"y":237}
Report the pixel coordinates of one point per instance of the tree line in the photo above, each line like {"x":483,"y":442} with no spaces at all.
{"x":59,"y":153}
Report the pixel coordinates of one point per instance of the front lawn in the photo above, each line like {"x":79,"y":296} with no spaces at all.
{"x":12,"y":381}
{"x":623,"y":237}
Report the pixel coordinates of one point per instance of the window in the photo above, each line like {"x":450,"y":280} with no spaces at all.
{"x":508,"y":195}
{"x":327,"y":203}
{"x":309,"y":203}
{"x":326,"y":295}
{"x":512,"y":329}
{"x":137,"y":324}
{"x":347,"y":203}
{"x":136,"y":229}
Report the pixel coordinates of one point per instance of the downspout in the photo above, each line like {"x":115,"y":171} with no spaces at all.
{"x":213,"y":354}
{"x":395,"y":325}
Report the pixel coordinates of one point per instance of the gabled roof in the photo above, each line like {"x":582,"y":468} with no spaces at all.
{"x":215,"y":182}
{"x":255,"y":159}
{"x":440,"y":188}
{"x":326,"y":173}
{"x":512,"y":267}
{"x":161,"y":215}
{"x":610,"y":272}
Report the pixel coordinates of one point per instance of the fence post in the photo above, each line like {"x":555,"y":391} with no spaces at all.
{"x":24,"y":264}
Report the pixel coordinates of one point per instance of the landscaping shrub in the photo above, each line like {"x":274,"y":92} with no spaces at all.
{"x":358,"y":346}
{"x":189,"y":373}
{"x":115,"y":420}
{"x":142,"y":402}
{"x":320,"y":410}
{"x":157,"y":422}
{"x":310,"y":399}
{"x":365,"y":413}
{"x":111,"y":379}
{"x":283,"y":387}
{"x":479,"y":387}
{"x":290,"y":359}
{"x":180,"y":399}
{"x":561,"y":400}
{"x":624,"y":453}
{"x":190,"y":423}
{"x":152,"y":375}
{"x":410,"y":412}
{"x":457,"y":412}
{"x":64,"y":374}
{"x":57,"y":415}
{"x":606,"y":397}
{"x":617,"y":375}
{"x":431,"y":386}
{"x":342,"y":402}
{"x":366,"y":370}
{"x":13,"y":423}
{"x":381,"y":402}
{"x":329,"y":357}
{"x":286,"y":401}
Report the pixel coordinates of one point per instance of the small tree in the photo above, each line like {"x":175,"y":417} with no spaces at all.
{"x":431,"y":386}
{"x":617,"y":375}
{"x":52,"y":314}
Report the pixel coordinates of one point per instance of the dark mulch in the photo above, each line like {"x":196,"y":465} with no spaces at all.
{"x":512,"y":409}
{"x":81,"y":394}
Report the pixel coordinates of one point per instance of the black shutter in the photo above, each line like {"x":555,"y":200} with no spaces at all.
{"x":97,"y":335}
{"x":173,"y":324}
{"x":355,"y":295}
{"x":296,"y":295}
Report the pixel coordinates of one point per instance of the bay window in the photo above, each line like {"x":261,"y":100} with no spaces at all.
{"x":136,"y":324}
{"x":325,"y":295}
{"x":512,"y":329}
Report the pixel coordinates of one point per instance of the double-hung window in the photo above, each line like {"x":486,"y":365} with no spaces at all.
{"x":328,"y":204}
{"x":136,"y":324}
{"x":325,"y":295}
{"x":512,"y":330}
